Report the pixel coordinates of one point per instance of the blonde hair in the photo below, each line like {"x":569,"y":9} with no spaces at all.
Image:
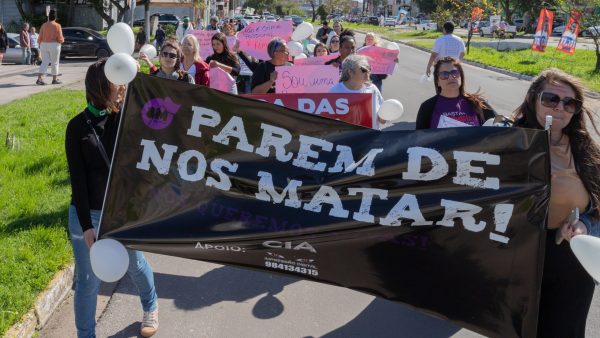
{"x":376,"y":41}
{"x":195,"y":46}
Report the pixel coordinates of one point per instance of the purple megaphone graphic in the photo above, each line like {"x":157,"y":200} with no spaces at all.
{"x":158,"y":113}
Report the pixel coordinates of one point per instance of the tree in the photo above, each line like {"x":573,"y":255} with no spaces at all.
{"x":590,"y":10}
{"x":102,"y":7}
{"x":313,"y":3}
{"x":333,"y":6}
{"x":426,"y":6}
{"x":322,"y":12}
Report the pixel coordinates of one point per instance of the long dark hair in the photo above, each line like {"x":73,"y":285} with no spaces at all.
{"x":477,"y":100}
{"x":98,"y":88}
{"x":586,"y":152}
{"x":226,"y":52}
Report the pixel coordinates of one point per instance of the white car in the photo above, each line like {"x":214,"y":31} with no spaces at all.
{"x":591,"y":31}
{"x":425,"y":25}
{"x":13,"y":52}
{"x":558,"y":30}
{"x":390,"y":22}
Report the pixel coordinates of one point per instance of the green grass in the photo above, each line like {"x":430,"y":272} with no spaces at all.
{"x":35,"y":192}
{"x":581,"y":64}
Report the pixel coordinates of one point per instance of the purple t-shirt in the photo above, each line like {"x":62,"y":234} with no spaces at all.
{"x":458,"y":108}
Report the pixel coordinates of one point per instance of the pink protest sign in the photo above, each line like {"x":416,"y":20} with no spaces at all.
{"x":317,"y":60}
{"x":306,"y":79}
{"x":204,"y":38}
{"x":382,"y":60}
{"x":231,"y":42}
{"x":220,"y":80}
{"x":256,"y":36}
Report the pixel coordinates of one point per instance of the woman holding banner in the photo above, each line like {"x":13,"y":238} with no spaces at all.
{"x":567,"y":289}
{"x":90,"y":140}
{"x":373,"y":40}
{"x":264,"y":76}
{"x":192,"y":62}
{"x":170,"y":59}
{"x":223,"y":57}
{"x":452,"y":106}
{"x":355,"y":79}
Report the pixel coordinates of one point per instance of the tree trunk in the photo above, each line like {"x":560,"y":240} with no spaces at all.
{"x":314,"y":13}
{"x":20,"y":4}
{"x":597,"y":43}
{"x":469,"y":35}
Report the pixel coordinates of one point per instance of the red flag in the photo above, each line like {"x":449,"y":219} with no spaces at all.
{"x":569,"y":37}
{"x":543,"y":30}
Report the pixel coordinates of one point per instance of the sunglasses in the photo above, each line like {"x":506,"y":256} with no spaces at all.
{"x":551,"y":100}
{"x":445,"y":74}
{"x":169,"y":55}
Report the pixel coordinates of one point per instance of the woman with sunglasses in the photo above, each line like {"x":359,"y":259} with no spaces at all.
{"x":452,"y":106}
{"x":170,"y":59}
{"x":567,"y":289}
{"x":355,"y":79}
{"x":89,"y":143}
{"x":264,"y":76}
{"x":223,"y":57}
{"x":334,"y":44}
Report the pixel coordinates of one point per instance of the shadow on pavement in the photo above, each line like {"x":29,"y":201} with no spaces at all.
{"x":383,"y":318}
{"x":133,"y":330}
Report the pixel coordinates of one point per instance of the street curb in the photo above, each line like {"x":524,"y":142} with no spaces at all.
{"x":45,"y":304}
{"x":589,"y":93}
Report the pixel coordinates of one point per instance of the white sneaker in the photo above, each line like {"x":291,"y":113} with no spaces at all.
{"x":149,"y":323}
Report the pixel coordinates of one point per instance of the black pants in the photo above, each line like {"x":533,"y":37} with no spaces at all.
{"x":567,"y":291}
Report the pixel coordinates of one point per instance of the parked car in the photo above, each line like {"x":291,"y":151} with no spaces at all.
{"x":390,"y":22}
{"x":591,"y":31}
{"x":81,"y":41}
{"x":373,"y":20}
{"x":426,"y":25}
{"x":559,"y":30}
{"x":13,"y":52}
{"x":252,"y":18}
{"x":163,"y":19}
{"x":510,"y":31}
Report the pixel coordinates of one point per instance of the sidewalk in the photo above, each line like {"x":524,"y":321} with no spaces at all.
{"x":18,"y":81}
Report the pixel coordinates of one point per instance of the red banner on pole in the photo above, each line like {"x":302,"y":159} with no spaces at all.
{"x":543,"y":30}
{"x":351,"y":108}
{"x":569,"y":37}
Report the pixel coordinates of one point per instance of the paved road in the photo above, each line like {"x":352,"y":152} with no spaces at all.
{"x":200,"y":299}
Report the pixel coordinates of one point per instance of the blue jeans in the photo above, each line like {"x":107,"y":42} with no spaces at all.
{"x":26,"y":56}
{"x":87,"y":284}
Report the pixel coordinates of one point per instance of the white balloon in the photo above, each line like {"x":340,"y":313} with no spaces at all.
{"x":391,"y":110}
{"x":311,"y":48}
{"x":120,"y":38}
{"x":109,"y":260}
{"x":149,"y":50}
{"x":120,"y":68}
{"x":488,"y":123}
{"x":301,"y":56}
{"x":587,"y":250}
{"x":303,"y":31}
{"x":393,"y":46}
{"x":295,"y":48}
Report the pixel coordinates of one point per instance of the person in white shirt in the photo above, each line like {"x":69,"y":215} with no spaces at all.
{"x":355,"y":79}
{"x":448,"y":45}
{"x":183,"y":29}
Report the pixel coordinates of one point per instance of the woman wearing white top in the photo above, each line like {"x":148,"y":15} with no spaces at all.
{"x":355,"y":79}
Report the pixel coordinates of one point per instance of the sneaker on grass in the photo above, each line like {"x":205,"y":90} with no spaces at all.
{"x":149,"y":323}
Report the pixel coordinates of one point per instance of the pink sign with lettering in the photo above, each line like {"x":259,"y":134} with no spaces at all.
{"x":256,"y":36}
{"x":204,"y":40}
{"x":221,"y":80}
{"x":382,"y":60}
{"x":306,"y":79}
{"x":313,"y":61}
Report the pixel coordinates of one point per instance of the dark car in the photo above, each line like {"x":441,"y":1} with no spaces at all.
{"x":163,"y":19}
{"x":373,"y":20}
{"x":81,"y":41}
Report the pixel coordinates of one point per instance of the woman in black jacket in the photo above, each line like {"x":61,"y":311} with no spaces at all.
{"x":3,"y":42}
{"x":452,"y":106}
{"x":223,"y":57}
{"x":90,"y":140}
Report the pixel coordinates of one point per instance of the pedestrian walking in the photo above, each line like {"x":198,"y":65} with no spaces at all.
{"x":213,"y":24}
{"x":25,"y":43}
{"x":159,"y":37}
{"x":50,"y":39}
{"x":170,"y":58}
{"x":3,"y":42}
{"x":334,"y":44}
{"x":223,"y":58}
{"x":452,"y":106}
{"x":355,"y":79}
{"x":184,"y":28}
{"x":323,"y":32}
{"x":90,"y":140}
{"x":567,"y":289}
{"x":448,"y":45}
{"x":192,"y":62}
{"x":35,"y":47}
{"x":347,"y":47}
{"x":320,"y":50}
{"x":265,"y":75}
{"x":373,"y":40}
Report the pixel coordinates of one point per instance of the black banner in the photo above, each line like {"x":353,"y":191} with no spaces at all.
{"x":449,"y":221}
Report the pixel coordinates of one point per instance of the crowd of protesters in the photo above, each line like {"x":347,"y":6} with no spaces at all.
{"x":575,"y":157}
